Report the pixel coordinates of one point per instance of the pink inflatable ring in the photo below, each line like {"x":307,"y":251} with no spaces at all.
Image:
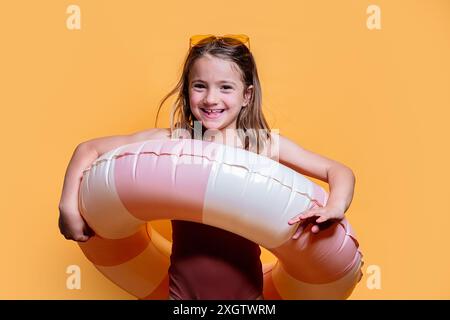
{"x":233,"y":189}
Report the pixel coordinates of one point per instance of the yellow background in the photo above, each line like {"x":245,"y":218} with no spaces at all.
{"x":375,"y":100}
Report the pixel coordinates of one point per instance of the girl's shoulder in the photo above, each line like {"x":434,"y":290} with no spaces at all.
{"x":162,"y":133}
{"x":269,"y":148}
{"x":272,"y":147}
{"x":150,"y":134}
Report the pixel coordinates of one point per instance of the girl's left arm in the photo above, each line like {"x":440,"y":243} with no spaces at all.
{"x":339,"y":177}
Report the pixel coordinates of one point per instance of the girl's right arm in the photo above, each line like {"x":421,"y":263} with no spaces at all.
{"x":71,"y":223}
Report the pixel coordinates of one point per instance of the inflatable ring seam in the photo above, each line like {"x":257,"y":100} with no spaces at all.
{"x":114,"y":157}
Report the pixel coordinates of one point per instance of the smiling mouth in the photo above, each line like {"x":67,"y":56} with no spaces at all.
{"x":212,"y":114}
{"x":212,"y":111}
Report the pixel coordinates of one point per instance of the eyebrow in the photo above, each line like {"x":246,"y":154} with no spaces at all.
{"x":222,"y":81}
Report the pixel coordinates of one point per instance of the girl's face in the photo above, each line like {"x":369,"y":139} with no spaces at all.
{"x":216,"y":92}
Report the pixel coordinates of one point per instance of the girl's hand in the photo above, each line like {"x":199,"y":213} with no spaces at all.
{"x":316,"y":215}
{"x":72,"y":225}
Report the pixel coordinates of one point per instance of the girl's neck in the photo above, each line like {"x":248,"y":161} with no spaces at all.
{"x":225,"y":136}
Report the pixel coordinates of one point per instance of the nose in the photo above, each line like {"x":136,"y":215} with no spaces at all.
{"x":210,"y":98}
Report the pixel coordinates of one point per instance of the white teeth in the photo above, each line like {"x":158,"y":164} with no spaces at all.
{"x":213,"y":111}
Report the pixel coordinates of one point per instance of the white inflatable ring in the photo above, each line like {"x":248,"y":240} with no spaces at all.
{"x":233,"y":189}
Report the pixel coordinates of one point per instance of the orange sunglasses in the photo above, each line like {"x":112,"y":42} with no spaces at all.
{"x":240,"y":38}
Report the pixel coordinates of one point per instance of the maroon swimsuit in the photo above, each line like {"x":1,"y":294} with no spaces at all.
{"x":211,"y":263}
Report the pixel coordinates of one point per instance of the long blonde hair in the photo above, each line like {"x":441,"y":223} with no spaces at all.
{"x":252,"y":127}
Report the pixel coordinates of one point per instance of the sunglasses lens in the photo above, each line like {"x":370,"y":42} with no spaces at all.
{"x":198,"y":38}
{"x":230,"y":39}
{"x":236,"y":38}
{"x":239,"y":37}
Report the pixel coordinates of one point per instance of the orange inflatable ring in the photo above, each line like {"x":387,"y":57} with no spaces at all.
{"x":233,"y":189}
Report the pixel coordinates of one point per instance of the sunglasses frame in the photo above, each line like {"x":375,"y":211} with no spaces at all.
{"x":196,"y":39}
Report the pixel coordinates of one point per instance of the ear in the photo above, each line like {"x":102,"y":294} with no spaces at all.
{"x":247,"y":95}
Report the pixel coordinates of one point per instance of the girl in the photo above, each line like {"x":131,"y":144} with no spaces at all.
{"x":219,"y":92}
